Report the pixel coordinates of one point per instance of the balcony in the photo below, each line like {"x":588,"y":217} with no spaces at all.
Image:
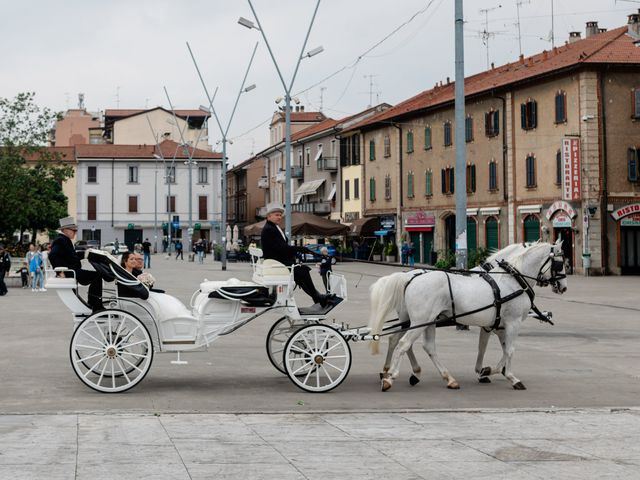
{"x":261,"y":212}
{"x":329,"y":164}
{"x":281,"y":176}
{"x":317,"y":208}
{"x":263,"y":182}
{"x":297,"y":172}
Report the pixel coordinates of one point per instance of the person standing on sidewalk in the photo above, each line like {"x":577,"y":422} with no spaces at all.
{"x":35,"y":268}
{"x":325,"y":267}
{"x":200,"y":250}
{"x":179,"y":250}
{"x":5,"y":267}
{"x":146,"y":250}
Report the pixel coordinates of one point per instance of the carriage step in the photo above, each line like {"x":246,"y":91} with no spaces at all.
{"x":178,"y":361}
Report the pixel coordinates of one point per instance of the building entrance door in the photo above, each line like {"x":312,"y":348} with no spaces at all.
{"x":566,"y":235}
{"x":630,"y":250}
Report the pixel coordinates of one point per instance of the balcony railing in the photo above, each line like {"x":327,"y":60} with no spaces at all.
{"x":263,"y":182}
{"x":297,"y":172}
{"x":328,"y":163}
{"x":317,"y":208}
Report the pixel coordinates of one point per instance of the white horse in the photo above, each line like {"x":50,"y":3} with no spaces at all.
{"x":428,"y":297}
{"x":377,"y":302}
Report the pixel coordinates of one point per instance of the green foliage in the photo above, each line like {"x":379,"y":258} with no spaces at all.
{"x":377,"y":248}
{"x":391,"y":249}
{"x":477,"y":257}
{"x":446,"y":259}
{"x":31,"y":177}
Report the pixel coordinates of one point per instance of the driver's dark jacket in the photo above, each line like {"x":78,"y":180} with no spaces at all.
{"x":275,"y":247}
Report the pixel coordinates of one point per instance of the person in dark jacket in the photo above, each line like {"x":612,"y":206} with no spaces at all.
{"x":5,"y":266}
{"x":64,"y":255}
{"x":275,"y":246}
{"x":325,"y":267}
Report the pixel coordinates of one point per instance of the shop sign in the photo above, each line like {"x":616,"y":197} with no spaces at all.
{"x":561,"y":220}
{"x":560,"y":205}
{"x":631,"y":221}
{"x":626,"y":210}
{"x":415,"y":219}
{"x":571,"y":168}
{"x":388,"y":222}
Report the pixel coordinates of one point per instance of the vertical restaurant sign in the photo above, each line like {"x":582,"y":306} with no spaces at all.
{"x":571,"y":168}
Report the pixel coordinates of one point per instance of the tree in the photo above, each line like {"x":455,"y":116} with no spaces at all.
{"x":31,"y":175}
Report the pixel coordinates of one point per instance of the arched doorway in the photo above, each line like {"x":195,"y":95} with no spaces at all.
{"x":491,"y":233}
{"x":450,"y":233}
{"x":531,"y":226}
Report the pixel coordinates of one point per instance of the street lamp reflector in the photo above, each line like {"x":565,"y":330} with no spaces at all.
{"x":315,"y":51}
{"x":250,"y":87}
{"x":247,"y":23}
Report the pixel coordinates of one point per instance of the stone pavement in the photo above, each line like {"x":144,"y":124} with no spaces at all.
{"x":523,"y":445}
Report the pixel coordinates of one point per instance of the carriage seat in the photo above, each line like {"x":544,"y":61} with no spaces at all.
{"x":249,"y":293}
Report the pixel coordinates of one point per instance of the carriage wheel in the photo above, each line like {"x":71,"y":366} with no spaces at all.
{"x":322,"y":353}
{"x":277,"y":338}
{"x":111,"y":351}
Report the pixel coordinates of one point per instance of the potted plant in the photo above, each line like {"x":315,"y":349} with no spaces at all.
{"x":377,"y":252}
{"x":390,"y":252}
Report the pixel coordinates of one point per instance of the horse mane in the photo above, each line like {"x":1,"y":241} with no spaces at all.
{"x":517,"y":260}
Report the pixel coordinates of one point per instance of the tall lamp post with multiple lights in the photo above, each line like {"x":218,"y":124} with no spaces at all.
{"x":224,"y":132}
{"x":287,"y":97}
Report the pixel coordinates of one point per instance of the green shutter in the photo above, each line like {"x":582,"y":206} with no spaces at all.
{"x":427,"y":138}
{"x":523,"y":116}
{"x":428,"y":182}
{"x":472,"y":240}
{"x":531,"y":229}
{"x":409,"y":142}
{"x":372,"y":150}
{"x":491,"y":228}
{"x":410,"y":185}
{"x":496,"y":122}
{"x":534,"y":114}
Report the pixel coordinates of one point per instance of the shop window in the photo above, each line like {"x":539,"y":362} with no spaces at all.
{"x":529,"y":115}
{"x":561,"y":107}
{"x":492,"y":123}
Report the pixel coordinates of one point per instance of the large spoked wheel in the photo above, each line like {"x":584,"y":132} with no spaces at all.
{"x":111,"y":351}
{"x":321,"y":353}
{"x":277,"y":338}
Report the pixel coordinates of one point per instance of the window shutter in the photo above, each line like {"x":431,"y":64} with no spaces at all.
{"x":372,"y":150}
{"x":523,"y":116}
{"x":534,"y":114}
{"x":496,"y":122}
{"x":452,"y":180}
{"x":636,"y":102}
{"x":444,"y":181}
{"x":487,"y":125}
{"x":427,"y":138}
{"x":473,"y":178}
{"x":632,"y":165}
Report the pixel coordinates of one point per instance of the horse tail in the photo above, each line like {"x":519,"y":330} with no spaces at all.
{"x":386,"y":296}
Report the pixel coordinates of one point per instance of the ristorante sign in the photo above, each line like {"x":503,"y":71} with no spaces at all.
{"x":571,"y":168}
{"x":626,"y":210}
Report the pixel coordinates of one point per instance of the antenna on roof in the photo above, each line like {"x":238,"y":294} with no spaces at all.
{"x":118,"y":96}
{"x":486,"y":34}
{"x":322,"y":89}
{"x":81,"y":101}
{"x":553,"y":35}
{"x":519,"y":3}
{"x":371,"y":91}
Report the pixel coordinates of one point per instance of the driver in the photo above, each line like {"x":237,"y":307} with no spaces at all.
{"x":64,"y":255}
{"x":276,"y":246}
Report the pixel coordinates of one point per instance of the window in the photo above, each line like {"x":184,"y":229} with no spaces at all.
{"x":531,"y":171}
{"x":410,"y":192}
{"x":133,"y":204}
{"x":471,"y":178}
{"x":387,"y":146}
{"x":387,"y":187}
{"x":448,"y":137}
{"x":529,"y":115}
{"x":92,"y":174}
{"x":558,"y":167}
{"x":372,"y":189}
{"x":635,"y":103}
{"x":202,"y":175}
{"x":561,"y":107}
{"x":170,"y":175}
{"x":92,"y":201}
{"x":356,"y":188}
{"x":428,"y":183}
{"x":307,"y":155}
{"x":492,"y":123}
{"x":493,"y":176}
{"x":133,"y":174}
{"x":410,"y":141}
{"x":632,"y":164}
{"x":171,"y":204}
{"x":468,"y":129}
{"x":346,"y":190}
{"x":202,"y":207}
{"x":427,"y":138}
{"x":372,"y":149}
{"x":448,"y":180}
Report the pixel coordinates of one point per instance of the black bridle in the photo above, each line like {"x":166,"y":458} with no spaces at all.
{"x":555,"y":262}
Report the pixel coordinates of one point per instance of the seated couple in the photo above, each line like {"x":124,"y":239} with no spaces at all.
{"x":132,"y":262}
{"x":275,"y":246}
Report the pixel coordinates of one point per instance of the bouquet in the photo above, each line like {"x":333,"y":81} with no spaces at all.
{"x":147,"y":279}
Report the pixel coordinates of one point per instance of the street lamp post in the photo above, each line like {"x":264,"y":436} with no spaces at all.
{"x":287,"y":97}
{"x":224,"y":133}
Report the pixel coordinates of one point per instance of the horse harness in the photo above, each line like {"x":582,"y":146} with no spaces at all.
{"x":556,"y":267}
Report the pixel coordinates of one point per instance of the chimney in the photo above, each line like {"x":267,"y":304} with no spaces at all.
{"x":574,"y":37}
{"x":492,"y":66}
{"x":521,"y":59}
{"x":302,"y":108}
{"x":545,"y":55}
{"x":592,"y":29}
{"x":602,"y":30}
{"x":633,"y":27}
{"x":448,"y":80}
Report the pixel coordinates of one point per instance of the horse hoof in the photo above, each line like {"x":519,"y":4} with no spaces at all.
{"x":519,"y":386}
{"x":413,"y":380}
{"x":385,"y":385}
{"x":484,"y":380}
{"x":453,"y":386}
{"x":485,"y":372}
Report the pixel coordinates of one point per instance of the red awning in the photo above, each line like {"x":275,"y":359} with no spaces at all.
{"x":419,"y":228}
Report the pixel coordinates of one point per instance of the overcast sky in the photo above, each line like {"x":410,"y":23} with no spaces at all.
{"x":120,"y":53}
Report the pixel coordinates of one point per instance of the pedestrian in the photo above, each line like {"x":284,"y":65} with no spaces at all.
{"x":146,"y":250}
{"x":325,"y":267}
{"x":410,"y":254}
{"x":116,"y":247}
{"x":164,"y":245}
{"x":24,"y":274}
{"x":30,"y":253}
{"x":35,"y":268}
{"x":179,"y":250}
{"x":5,"y":267}
{"x":63,"y":254}
{"x":200,"y":250}
{"x":404,"y":253}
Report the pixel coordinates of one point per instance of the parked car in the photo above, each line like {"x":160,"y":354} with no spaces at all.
{"x":82,"y":245}
{"x":315,"y":257}
{"x":110,"y":248}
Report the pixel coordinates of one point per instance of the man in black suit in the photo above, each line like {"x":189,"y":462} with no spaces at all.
{"x":64,"y":255}
{"x":276,"y":246}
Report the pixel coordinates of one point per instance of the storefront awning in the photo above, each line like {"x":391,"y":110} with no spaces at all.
{"x":419,"y":228}
{"x":309,"y":188}
{"x":364,"y":226}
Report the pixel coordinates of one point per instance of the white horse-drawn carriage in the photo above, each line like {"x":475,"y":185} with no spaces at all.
{"x":112,"y":350}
